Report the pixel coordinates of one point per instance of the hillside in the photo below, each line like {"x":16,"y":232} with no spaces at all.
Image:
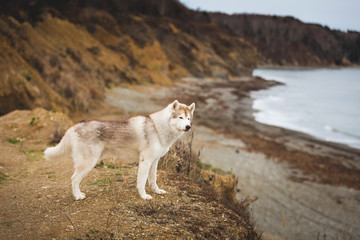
{"x":286,"y":41}
{"x":63,"y":54}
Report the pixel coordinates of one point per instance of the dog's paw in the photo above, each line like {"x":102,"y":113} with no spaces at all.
{"x":79,"y":196}
{"x":160,"y":191}
{"x":146,"y":197}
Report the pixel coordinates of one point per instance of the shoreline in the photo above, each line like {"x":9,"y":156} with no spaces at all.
{"x":277,"y":166}
{"x":238,"y":115}
{"x":242,"y":124}
{"x":280,"y":167}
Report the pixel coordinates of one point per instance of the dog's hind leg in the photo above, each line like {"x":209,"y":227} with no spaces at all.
{"x":82,"y":166}
{"x":80,"y":172}
{"x":143,"y":173}
{"x":152,"y":178}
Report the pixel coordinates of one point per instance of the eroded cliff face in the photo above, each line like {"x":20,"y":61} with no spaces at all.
{"x":286,"y":41}
{"x":62,"y":54}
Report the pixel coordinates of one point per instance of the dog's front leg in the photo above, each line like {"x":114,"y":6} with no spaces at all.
{"x":152,"y":178}
{"x":143,"y":172}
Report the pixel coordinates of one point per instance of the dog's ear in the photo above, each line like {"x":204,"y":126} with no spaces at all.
{"x":175,"y":105}
{"x":192,"y":108}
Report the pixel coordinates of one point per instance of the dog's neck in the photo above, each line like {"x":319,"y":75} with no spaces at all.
{"x":166,"y":136}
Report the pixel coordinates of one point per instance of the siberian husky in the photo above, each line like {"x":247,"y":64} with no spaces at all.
{"x":148,"y":137}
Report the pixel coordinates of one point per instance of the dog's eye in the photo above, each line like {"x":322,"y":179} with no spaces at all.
{"x":181,"y":117}
{"x":188,"y":118}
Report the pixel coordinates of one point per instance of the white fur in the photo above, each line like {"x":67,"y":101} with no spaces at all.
{"x":148,"y":138}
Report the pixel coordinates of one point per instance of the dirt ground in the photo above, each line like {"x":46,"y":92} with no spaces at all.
{"x":37,"y":203}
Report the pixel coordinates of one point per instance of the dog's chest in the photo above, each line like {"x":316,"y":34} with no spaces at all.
{"x":159,"y":150}
{"x":165,"y":151}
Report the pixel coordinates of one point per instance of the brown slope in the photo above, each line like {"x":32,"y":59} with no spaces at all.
{"x":77,"y":49}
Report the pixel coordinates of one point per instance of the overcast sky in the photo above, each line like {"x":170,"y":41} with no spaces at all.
{"x":336,"y":14}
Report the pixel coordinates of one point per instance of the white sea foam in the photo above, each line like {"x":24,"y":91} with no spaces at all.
{"x":328,"y":128}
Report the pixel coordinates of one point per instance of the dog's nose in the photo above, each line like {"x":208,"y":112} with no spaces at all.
{"x":187,"y":127}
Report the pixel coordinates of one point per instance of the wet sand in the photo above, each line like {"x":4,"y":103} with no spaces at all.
{"x":305,"y":188}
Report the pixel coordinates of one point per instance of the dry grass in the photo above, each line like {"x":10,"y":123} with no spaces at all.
{"x":182,"y":160}
{"x":113,"y":209}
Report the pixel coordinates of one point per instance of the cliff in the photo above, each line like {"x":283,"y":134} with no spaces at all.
{"x":63,"y":54}
{"x":286,"y":41}
{"x":36,"y":199}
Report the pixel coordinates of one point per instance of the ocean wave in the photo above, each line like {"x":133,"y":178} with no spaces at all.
{"x":331,"y":129}
{"x":273,"y":98}
{"x":328,"y":128}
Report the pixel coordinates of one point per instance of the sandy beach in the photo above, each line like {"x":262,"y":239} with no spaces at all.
{"x":305,"y":188}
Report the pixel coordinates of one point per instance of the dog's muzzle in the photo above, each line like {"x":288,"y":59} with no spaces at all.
{"x":187,"y":128}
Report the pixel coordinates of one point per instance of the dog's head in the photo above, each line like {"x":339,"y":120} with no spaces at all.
{"x":182,"y":115}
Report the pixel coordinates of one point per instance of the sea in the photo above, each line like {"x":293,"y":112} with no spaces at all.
{"x":324,"y":103}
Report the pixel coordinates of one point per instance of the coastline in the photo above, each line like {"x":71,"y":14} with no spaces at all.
{"x":277,"y":142}
{"x":233,"y":106}
{"x":280,"y":167}
{"x":272,"y":164}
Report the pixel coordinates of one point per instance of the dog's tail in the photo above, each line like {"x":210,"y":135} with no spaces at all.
{"x":62,"y":150}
